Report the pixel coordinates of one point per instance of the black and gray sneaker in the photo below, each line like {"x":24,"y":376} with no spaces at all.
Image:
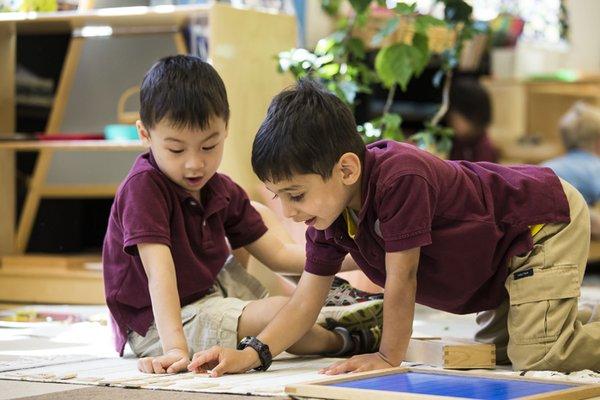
{"x":359,"y":341}
{"x":343,"y":294}
{"x":362,"y":315}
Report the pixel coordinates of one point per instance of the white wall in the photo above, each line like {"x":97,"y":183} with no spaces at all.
{"x":584,"y":25}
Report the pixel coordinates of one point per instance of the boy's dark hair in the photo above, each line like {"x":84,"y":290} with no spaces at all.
{"x":472,"y":101}
{"x":184,"y":90}
{"x":306,"y":131}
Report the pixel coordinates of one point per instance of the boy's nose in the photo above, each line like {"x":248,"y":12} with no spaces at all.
{"x":288,"y":210}
{"x":194,"y":164}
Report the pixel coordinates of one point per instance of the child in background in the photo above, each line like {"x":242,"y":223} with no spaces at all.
{"x":580,"y":130}
{"x":469,"y":115}
{"x":171,"y":284}
{"x":457,"y":236}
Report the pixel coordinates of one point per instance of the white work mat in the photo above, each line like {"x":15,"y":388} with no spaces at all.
{"x":123,"y":373}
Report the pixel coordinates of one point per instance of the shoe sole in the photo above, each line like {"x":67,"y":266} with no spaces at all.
{"x":356,"y":316}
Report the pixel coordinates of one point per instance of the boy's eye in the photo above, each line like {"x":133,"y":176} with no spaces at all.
{"x":176,"y":151}
{"x":297,"y":197}
{"x":209,"y":148}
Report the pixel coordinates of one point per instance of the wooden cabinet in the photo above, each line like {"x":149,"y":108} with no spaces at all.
{"x":242,"y":44}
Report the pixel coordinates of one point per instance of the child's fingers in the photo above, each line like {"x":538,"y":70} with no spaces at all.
{"x":178,"y":366}
{"x":331,"y":367}
{"x":204,"y":357}
{"x":219,"y":370}
{"x":145,"y":365}
{"x":346,"y":366}
{"x":157,"y":366}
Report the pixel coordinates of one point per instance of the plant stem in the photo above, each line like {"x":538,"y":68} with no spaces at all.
{"x":390,"y":99}
{"x":445,"y":100}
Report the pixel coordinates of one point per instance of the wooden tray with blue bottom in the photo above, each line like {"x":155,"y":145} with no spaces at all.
{"x":421,"y":384}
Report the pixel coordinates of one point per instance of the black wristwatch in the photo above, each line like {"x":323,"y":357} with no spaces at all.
{"x":264,"y":354}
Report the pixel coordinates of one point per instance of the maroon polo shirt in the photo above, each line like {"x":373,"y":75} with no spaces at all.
{"x":150,"y":208}
{"x":475,"y":149}
{"x":467,"y":218}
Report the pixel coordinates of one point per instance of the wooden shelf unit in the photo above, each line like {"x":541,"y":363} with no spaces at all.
{"x":240,"y":39}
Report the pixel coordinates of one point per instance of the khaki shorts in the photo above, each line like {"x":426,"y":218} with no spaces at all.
{"x":537,"y":326}
{"x":212,"y":320}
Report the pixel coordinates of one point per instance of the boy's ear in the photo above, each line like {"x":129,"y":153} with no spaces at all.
{"x":143,"y":133}
{"x":350,"y":168}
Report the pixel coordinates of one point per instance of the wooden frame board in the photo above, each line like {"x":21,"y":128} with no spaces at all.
{"x":421,"y":384}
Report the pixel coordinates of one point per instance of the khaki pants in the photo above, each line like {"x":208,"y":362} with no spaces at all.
{"x":536,"y":328}
{"x":212,"y":320}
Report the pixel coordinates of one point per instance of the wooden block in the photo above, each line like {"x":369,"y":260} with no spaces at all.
{"x":451,"y":353}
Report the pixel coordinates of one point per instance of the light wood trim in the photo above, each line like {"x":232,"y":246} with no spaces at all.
{"x":72,"y":145}
{"x":67,"y":78}
{"x":79,"y":191}
{"x":32,"y":201}
{"x":67,"y":287}
{"x":180,"y":43}
{"x":7,"y":201}
{"x":7,"y":125}
{"x":8,"y":40}
{"x":66,"y":21}
{"x":585,"y":392}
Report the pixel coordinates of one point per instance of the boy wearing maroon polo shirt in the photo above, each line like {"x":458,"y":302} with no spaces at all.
{"x":463,"y":237}
{"x":171,"y":285}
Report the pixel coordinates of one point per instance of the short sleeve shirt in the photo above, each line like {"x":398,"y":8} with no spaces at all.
{"x":150,"y":208}
{"x":466,"y":217}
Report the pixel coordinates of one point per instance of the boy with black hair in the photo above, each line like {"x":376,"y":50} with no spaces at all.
{"x":458,"y":236}
{"x":171,"y":285}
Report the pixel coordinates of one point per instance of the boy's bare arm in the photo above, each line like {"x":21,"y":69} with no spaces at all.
{"x":286,"y":258}
{"x":296,"y":318}
{"x":398,"y":313}
{"x":289,"y":325}
{"x":399,"y":303}
{"x":162,"y":284}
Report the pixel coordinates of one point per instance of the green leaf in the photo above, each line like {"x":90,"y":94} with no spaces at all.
{"x":331,"y":7}
{"x":329,"y":70}
{"x":384,"y":32}
{"x":423,"y":22}
{"x":391,"y":126}
{"x":396,"y":64}
{"x":421,"y":44}
{"x":324,"y":45}
{"x":393,"y":65}
{"x":356,"y":47}
{"x":405,"y":9}
{"x":360,"y":6}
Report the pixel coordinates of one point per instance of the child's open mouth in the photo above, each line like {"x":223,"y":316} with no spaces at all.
{"x":193,"y":181}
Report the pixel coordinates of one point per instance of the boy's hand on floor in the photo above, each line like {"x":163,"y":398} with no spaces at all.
{"x":360,"y":363}
{"x":171,"y":362}
{"x":220,"y":361}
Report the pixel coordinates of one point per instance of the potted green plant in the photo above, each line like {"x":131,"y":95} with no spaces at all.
{"x":405,"y":42}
